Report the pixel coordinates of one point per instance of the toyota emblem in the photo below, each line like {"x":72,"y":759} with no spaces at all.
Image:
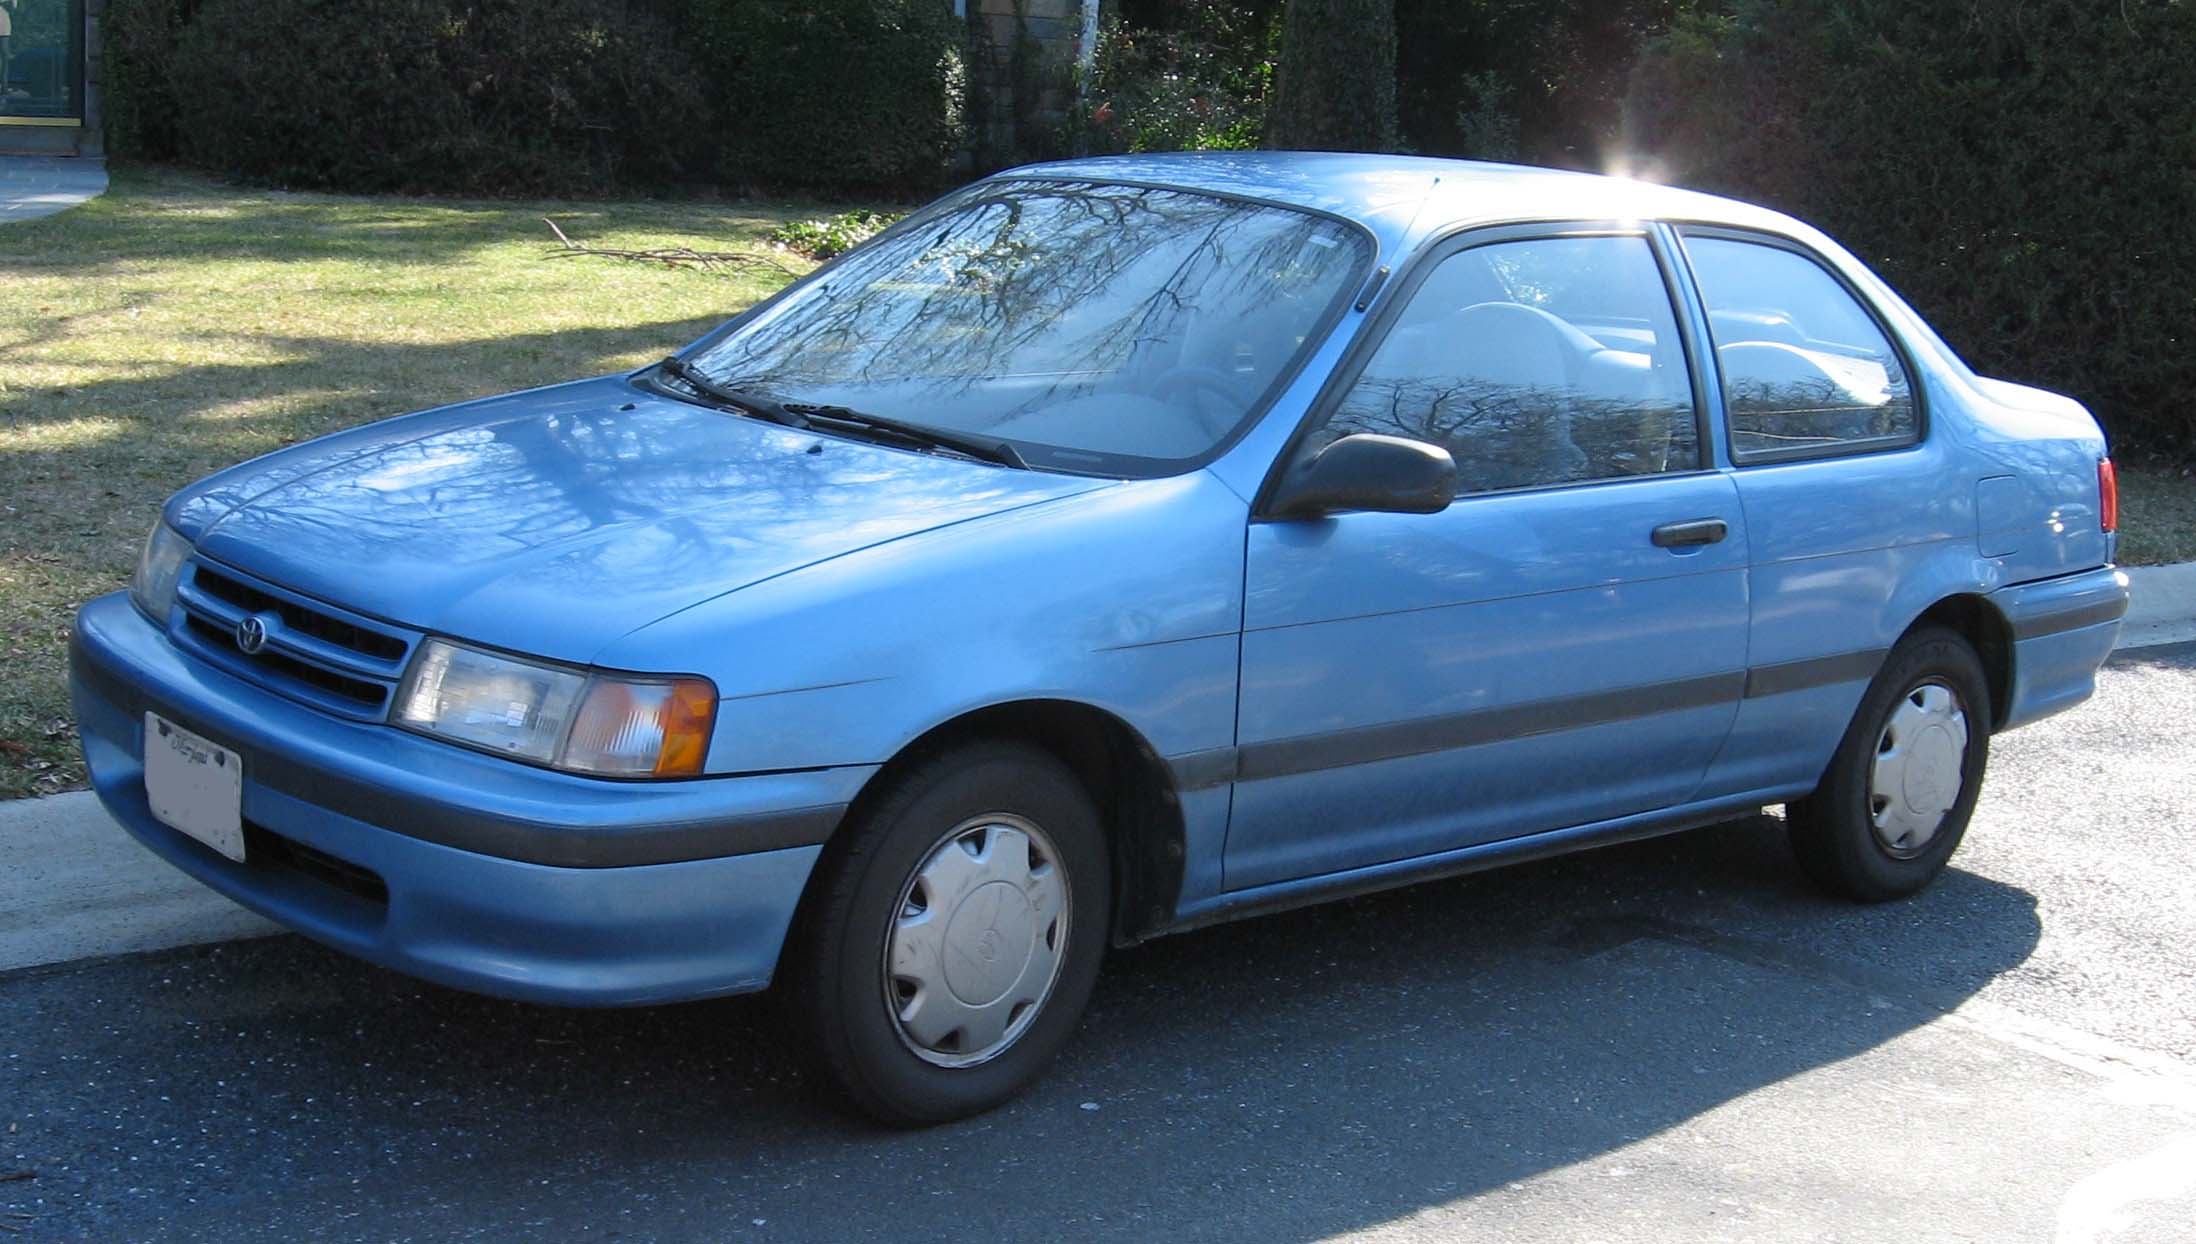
{"x":251,"y":635}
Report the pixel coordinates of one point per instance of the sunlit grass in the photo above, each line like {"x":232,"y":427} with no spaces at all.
{"x":175,"y":325}
{"x":61,"y":434}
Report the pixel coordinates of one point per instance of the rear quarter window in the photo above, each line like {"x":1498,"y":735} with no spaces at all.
{"x":1806,"y":369}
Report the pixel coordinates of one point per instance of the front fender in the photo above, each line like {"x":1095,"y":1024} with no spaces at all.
{"x":1128,"y":599}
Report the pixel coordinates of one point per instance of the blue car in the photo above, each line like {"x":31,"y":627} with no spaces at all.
{"x":1112,"y":547}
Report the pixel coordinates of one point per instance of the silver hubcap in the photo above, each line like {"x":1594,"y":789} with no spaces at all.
{"x":1917,"y":773}
{"x":975,"y":947}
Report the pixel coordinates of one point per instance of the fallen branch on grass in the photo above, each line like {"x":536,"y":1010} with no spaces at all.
{"x":716,"y":263}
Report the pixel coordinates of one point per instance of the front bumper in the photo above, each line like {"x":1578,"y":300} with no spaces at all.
{"x":462,"y":868}
{"x":2063,"y":629}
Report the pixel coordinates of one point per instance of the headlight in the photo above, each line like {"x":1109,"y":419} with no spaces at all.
{"x":608,"y":724}
{"x":158,"y":566}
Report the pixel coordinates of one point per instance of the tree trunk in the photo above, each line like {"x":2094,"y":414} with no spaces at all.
{"x":1334,"y":89}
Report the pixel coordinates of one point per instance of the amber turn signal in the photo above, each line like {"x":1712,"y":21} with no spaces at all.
{"x":643,"y":728}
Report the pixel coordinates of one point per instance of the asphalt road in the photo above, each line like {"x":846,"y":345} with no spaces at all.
{"x":1669,"y":1040}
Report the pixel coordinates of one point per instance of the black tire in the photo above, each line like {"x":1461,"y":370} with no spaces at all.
{"x":836,"y":974}
{"x":1834,"y":832}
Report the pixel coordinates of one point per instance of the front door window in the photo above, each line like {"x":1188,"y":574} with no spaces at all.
{"x":1536,"y":362}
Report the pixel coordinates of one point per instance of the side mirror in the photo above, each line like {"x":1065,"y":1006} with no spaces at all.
{"x":1368,"y":471}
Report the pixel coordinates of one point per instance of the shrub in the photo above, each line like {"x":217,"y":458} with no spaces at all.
{"x":833,"y":235}
{"x":492,"y":96}
{"x":1196,"y":84}
{"x":835,"y":94}
{"x":137,"y":51}
{"x":1335,"y":87}
{"x":1536,"y":80}
{"x":2017,"y":167}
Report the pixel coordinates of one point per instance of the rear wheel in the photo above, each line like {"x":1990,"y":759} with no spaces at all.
{"x":955,"y":935}
{"x":1896,"y":799}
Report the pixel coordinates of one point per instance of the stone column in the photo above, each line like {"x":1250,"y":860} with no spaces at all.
{"x":92,"y":139}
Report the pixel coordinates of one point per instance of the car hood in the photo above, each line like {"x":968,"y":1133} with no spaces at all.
{"x":554,"y":521}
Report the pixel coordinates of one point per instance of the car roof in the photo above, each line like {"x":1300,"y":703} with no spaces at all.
{"x":1403,"y":198}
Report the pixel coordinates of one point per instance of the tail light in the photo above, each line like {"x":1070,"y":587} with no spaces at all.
{"x":2108,"y":496}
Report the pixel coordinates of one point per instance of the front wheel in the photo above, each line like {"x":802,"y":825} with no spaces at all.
{"x":1896,"y":799}
{"x":955,"y":935}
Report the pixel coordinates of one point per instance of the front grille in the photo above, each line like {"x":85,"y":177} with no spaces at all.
{"x":312,"y":651}
{"x":356,"y":690}
{"x":297,"y":617}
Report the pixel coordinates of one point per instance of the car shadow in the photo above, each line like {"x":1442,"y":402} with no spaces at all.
{"x":1286,"y":1078}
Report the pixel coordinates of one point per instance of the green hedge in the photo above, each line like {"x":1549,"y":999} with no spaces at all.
{"x":841,"y":94}
{"x":1542,"y":81}
{"x":1334,"y":89}
{"x":488,"y":96}
{"x":540,"y":96}
{"x":138,"y":40}
{"x":2020,"y":170}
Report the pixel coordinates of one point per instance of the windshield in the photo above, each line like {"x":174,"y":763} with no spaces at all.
{"x":1105,"y":328}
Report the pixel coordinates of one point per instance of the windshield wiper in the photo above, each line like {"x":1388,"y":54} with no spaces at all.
{"x":750,"y":403}
{"x":982,"y":448}
{"x":806,"y":415}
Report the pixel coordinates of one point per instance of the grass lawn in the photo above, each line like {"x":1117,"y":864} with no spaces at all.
{"x":175,"y":325}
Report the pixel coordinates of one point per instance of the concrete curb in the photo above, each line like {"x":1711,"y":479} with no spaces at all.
{"x":35,"y":186}
{"x":2161,"y":608}
{"x":76,"y":886}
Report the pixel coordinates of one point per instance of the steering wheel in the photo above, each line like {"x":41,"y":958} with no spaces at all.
{"x":1188,"y":385}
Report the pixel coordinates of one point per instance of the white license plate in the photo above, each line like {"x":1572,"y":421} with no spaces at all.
{"x":195,"y":785}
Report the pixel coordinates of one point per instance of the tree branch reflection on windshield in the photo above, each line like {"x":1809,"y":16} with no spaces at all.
{"x":1114,"y":320}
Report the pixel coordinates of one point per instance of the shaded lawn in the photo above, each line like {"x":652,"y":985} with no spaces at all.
{"x":174,"y":326}
{"x":2157,"y":516}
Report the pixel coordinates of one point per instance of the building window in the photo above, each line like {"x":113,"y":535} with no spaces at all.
{"x":41,"y":61}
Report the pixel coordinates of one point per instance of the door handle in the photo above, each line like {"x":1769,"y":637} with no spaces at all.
{"x":1691,"y":532}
